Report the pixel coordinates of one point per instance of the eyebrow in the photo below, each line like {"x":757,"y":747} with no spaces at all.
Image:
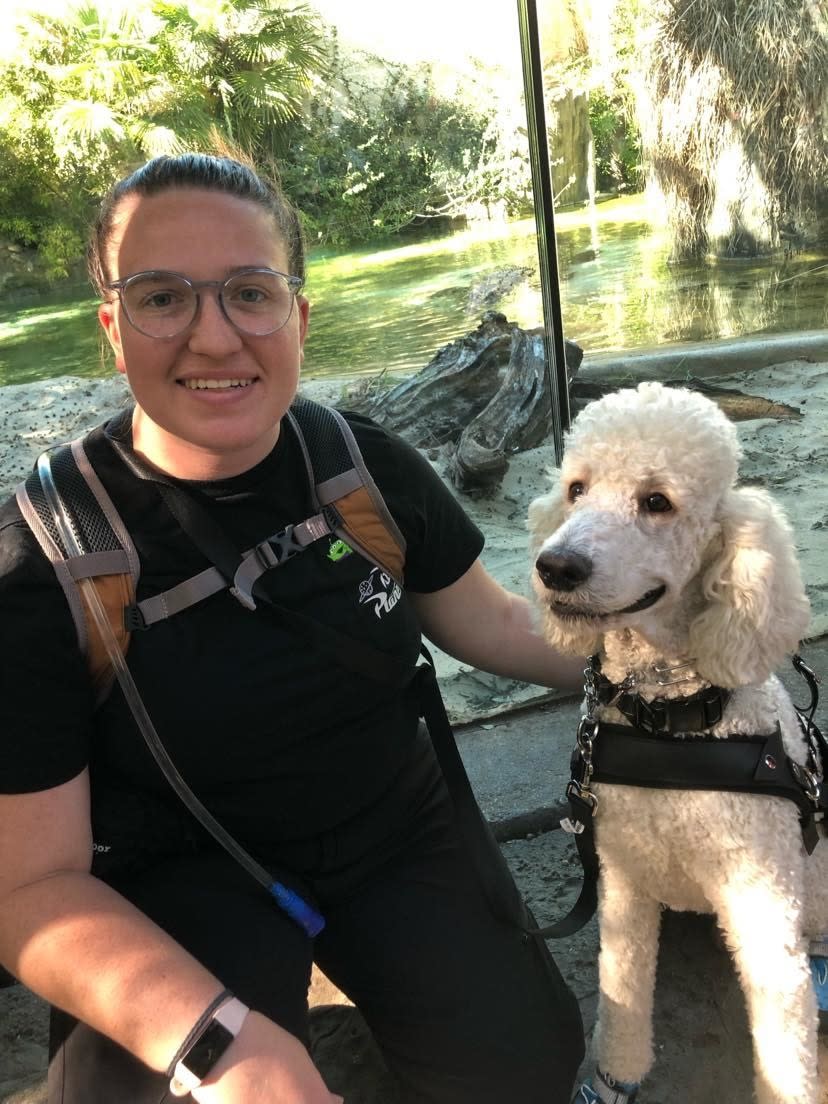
{"x":228,"y":272}
{"x":247,"y":267}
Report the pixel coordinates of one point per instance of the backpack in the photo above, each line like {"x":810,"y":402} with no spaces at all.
{"x":347,"y":503}
{"x":349,"y":507}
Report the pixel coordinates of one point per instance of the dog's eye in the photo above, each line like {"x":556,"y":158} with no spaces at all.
{"x":657,"y":504}
{"x":576,"y":489}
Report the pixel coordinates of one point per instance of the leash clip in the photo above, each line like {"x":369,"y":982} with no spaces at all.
{"x":809,"y":781}
{"x":578,"y":789}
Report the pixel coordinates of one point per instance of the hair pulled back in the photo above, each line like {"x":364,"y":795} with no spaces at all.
{"x":196,"y":170}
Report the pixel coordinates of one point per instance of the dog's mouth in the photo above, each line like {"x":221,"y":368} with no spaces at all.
{"x":573,"y":613}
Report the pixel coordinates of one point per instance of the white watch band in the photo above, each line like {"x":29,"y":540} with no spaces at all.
{"x":231,"y":1016}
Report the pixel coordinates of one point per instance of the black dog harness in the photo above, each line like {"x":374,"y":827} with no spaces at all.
{"x":647,"y":753}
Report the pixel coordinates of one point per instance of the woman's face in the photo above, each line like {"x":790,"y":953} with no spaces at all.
{"x":190,"y":430}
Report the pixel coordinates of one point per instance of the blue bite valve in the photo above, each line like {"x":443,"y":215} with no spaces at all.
{"x":308,"y":919}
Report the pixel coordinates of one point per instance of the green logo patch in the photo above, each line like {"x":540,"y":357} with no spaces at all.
{"x":339,"y":550}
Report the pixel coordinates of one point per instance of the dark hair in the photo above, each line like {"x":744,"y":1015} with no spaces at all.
{"x":196,"y":170}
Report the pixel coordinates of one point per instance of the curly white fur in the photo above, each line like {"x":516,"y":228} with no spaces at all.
{"x":669,"y":563}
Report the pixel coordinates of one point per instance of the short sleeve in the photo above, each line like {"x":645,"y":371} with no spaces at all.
{"x":442,"y":541}
{"x":46,"y":697}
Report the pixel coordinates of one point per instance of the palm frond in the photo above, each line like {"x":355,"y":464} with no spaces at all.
{"x":79,"y":122}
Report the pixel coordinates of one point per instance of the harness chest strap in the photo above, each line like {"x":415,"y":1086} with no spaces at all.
{"x":622,"y":755}
{"x":741,"y":764}
{"x":269,"y":553}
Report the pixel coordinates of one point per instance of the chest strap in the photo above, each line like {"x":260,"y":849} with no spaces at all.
{"x":740,"y":764}
{"x":255,"y":562}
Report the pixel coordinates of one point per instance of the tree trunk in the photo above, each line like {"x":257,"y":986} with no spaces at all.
{"x":485,"y":394}
{"x":517,"y":417}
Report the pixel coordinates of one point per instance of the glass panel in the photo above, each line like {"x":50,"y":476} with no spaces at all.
{"x":692,"y":223}
{"x":437,"y":227}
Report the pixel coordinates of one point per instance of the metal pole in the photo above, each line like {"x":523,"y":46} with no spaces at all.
{"x":545,"y":220}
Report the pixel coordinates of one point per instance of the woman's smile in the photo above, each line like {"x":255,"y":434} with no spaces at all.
{"x":201,"y":384}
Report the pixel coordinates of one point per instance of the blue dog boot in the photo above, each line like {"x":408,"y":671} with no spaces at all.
{"x":603,"y":1089}
{"x":819,"y":975}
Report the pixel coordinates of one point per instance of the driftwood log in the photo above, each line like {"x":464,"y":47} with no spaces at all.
{"x":482,"y":397}
{"x":485,"y":396}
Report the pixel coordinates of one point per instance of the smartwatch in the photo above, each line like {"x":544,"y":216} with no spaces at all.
{"x":205,"y":1051}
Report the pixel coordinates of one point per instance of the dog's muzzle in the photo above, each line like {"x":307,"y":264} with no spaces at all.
{"x":563,"y":570}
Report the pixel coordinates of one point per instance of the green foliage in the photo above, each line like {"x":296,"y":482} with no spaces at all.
{"x":617,"y":144}
{"x":60,"y":245}
{"x":367,"y":148}
{"x":91,"y":93}
{"x":382,"y":152}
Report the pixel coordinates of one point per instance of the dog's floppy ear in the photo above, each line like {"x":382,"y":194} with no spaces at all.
{"x":756,"y":611}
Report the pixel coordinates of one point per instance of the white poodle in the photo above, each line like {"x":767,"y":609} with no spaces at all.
{"x":649,"y":558}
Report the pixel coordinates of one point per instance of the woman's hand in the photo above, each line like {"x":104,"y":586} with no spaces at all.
{"x":480,"y":623}
{"x":264,"y":1065}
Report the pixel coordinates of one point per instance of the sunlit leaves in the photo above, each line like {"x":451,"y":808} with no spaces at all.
{"x":84,"y":121}
{"x":105,"y":83}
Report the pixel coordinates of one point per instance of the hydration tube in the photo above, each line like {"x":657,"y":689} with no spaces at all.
{"x":287,"y":899}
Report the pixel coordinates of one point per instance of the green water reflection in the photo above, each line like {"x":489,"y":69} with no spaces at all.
{"x":392,"y":309}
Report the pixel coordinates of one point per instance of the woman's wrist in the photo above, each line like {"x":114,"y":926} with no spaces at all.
{"x":211,"y":1035}
{"x":253,"y":1042}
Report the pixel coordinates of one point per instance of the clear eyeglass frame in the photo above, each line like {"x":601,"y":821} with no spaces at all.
{"x":294,"y":285}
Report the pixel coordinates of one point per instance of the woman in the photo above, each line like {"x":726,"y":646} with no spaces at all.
{"x":162,"y":955}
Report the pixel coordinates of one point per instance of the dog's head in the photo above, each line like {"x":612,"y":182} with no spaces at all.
{"x":645,"y":525}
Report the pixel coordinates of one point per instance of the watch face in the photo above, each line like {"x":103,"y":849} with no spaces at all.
{"x":206,"y":1051}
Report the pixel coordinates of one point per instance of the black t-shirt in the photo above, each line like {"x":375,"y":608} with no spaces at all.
{"x":277,"y":740}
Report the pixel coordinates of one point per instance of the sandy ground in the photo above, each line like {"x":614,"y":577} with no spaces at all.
{"x":702,"y":1039}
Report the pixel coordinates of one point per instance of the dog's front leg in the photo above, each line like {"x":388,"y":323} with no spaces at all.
{"x":761,"y":919}
{"x":629,"y":925}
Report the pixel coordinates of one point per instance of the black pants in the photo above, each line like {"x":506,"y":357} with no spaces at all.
{"x":465,"y":1009}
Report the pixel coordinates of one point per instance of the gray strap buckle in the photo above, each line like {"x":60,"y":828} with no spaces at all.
{"x":273,"y":552}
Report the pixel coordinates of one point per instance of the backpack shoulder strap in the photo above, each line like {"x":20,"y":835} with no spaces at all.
{"x":340,"y":484}
{"x":338,"y":477}
{"x":108,"y":558}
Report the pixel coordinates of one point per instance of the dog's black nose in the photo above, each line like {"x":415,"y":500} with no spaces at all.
{"x":563,"y":571}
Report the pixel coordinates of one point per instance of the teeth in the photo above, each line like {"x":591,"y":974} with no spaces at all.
{"x":213,"y":384}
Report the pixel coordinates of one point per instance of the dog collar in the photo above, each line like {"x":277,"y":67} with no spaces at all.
{"x":695,"y":713}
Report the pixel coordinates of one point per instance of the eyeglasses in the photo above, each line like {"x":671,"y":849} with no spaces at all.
{"x":257,"y":301}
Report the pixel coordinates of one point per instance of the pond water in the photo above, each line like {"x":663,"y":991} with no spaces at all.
{"x":394,"y":308}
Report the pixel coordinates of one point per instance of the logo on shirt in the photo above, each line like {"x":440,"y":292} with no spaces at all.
{"x":381,"y":590}
{"x":339,"y":550}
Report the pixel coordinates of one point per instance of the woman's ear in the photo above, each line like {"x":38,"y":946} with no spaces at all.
{"x":109,"y":325}
{"x":756,"y":610}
